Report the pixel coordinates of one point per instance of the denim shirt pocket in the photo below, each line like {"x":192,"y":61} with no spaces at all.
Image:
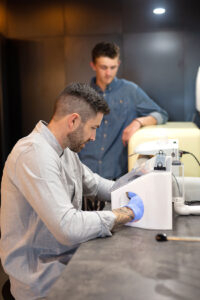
{"x":119,"y":109}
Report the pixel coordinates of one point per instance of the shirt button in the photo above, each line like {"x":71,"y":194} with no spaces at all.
{"x":105,"y":135}
{"x":121,"y":101}
{"x":106,"y":121}
{"x":100,"y":161}
{"x":102,"y":148}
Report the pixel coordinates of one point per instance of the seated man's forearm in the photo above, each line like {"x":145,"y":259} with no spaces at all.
{"x":123,"y":216}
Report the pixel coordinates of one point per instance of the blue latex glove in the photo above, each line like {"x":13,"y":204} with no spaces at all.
{"x":137,"y":206}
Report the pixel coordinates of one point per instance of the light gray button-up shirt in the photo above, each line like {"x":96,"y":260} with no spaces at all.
{"x":41,"y":217}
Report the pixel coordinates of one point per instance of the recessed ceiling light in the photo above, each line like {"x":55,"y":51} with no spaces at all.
{"x":159,"y":11}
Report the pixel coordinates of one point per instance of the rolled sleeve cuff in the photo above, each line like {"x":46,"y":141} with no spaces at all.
{"x":158,"y":117}
{"x":107,"y":221}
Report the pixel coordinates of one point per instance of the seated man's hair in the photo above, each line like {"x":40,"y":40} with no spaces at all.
{"x":82,"y":99}
{"x":110,"y":50}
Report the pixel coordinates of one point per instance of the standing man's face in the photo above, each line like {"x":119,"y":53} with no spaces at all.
{"x":106,"y":69}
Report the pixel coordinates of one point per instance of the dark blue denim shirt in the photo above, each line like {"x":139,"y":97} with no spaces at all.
{"x":106,"y":155}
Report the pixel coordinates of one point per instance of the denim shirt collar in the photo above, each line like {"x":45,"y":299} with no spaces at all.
{"x":109,"y":87}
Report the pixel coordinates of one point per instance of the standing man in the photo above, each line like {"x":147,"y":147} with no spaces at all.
{"x":42,"y":187}
{"x":130,"y":108}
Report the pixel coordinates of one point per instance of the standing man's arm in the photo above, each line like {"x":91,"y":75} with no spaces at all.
{"x":135,"y":125}
{"x":149,"y":113}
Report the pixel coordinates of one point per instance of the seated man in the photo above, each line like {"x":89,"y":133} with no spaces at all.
{"x":43,"y":182}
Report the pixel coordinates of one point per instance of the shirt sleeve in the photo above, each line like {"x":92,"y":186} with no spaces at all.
{"x":95,"y":185}
{"x":147,"y":107}
{"x":38,"y":178}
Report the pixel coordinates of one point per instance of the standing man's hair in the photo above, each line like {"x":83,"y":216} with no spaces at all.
{"x":105,"y":49}
{"x":82,"y":99}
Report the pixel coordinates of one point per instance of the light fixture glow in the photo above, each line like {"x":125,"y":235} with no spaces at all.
{"x":159,"y":11}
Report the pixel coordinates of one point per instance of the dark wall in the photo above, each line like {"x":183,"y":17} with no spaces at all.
{"x":2,"y":124}
{"x":10,"y":97}
{"x":3,"y":15}
{"x":54,"y":41}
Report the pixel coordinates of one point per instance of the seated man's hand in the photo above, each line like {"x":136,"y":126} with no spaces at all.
{"x":131,"y":212}
{"x":137,"y":206}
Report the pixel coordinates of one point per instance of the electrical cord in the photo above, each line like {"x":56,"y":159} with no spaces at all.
{"x":186,"y":152}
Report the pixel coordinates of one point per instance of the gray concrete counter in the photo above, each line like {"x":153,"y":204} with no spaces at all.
{"x":133,"y":265}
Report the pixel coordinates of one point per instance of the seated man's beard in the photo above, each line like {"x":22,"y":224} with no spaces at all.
{"x":75,"y":139}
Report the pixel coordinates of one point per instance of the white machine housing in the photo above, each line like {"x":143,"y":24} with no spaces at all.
{"x":168,"y":146}
{"x":160,"y":183}
{"x":155,"y":189}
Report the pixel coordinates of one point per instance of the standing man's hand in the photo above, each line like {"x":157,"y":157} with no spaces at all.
{"x":135,"y":125}
{"x":130,"y":130}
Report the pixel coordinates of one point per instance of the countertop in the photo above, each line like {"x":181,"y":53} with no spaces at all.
{"x":133,"y":265}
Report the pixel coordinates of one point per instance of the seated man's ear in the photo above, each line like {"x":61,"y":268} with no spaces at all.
{"x":74,"y":120}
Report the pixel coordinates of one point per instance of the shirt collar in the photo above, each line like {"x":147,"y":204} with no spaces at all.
{"x":42,"y":128}
{"x":109,"y":86}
